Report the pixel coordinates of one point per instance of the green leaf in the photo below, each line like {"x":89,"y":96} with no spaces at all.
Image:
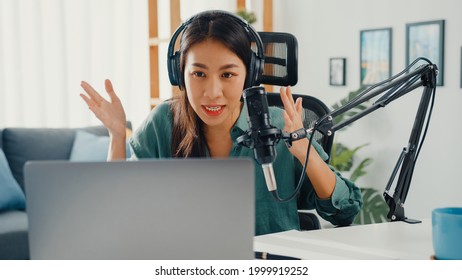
{"x":250,"y":17}
{"x":342,"y":158}
{"x":351,"y":112}
{"x":359,"y":170}
{"x":374,"y":208}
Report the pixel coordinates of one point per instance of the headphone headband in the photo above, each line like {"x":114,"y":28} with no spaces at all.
{"x":255,"y":69}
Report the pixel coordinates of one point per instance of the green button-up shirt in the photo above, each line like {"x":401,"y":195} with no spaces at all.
{"x":153,"y":139}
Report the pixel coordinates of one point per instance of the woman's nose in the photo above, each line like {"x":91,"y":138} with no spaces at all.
{"x":214,"y":88}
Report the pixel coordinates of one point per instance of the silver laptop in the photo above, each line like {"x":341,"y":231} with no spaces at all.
{"x":148,"y":209}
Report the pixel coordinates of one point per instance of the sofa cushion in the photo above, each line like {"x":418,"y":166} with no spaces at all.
{"x":11,"y":194}
{"x":23,"y":144}
{"x":89,"y":147}
{"x":14,"y":243}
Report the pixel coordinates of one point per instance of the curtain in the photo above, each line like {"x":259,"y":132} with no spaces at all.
{"x":47,"y":47}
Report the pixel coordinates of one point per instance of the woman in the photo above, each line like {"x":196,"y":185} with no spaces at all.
{"x":208,"y":116}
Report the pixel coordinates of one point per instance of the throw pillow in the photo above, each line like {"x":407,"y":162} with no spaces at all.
{"x":11,"y":195}
{"x":90,"y":147}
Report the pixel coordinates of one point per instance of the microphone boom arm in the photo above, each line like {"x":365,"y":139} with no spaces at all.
{"x":393,"y":90}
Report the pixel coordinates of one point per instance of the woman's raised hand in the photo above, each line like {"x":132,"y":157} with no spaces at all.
{"x":110,"y":113}
{"x":293,"y":112}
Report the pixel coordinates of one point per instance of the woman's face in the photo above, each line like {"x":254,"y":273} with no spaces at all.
{"x":214,"y":79}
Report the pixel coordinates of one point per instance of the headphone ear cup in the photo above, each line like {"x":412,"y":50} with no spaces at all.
{"x":255,"y":70}
{"x":174,"y":73}
{"x":259,"y":65}
{"x":249,"y":79}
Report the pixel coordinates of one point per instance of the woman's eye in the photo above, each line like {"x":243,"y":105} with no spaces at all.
{"x":228,"y":75}
{"x":199,"y":74}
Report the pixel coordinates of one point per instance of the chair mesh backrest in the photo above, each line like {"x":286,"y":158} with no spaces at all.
{"x":314,"y":109}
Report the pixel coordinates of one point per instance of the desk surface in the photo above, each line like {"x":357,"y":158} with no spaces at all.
{"x":393,"y":240}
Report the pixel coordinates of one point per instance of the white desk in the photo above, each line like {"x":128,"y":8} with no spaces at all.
{"x":393,"y":240}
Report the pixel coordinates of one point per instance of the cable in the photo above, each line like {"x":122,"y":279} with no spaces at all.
{"x":302,"y":176}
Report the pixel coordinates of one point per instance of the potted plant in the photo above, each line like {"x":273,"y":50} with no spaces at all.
{"x":344,"y":159}
{"x":250,"y":17}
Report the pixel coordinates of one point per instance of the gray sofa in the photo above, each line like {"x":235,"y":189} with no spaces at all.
{"x":21,"y":145}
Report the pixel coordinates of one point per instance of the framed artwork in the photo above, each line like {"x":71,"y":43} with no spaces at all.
{"x":426,"y":39}
{"x":375,"y":55}
{"x":460,"y":67}
{"x":337,"y":74}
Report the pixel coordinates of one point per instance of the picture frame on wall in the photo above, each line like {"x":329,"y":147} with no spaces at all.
{"x":460,"y":67}
{"x":426,"y":39}
{"x":375,"y":55}
{"x":337,"y":71}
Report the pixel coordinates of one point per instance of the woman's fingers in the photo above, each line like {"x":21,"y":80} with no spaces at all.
{"x":87,"y":100}
{"x":93,"y":98}
{"x":289,"y":105}
{"x":110,"y":91}
{"x":92,"y":93}
{"x":92,"y":105}
{"x":293,"y":110}
{"x":299,"y":105}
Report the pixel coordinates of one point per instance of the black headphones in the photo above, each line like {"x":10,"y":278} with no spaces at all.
{"x":255,"y":69}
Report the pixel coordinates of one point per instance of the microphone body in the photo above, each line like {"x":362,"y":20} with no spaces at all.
{"x":262,"y":136}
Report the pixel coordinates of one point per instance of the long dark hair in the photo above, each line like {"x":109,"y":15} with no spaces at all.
{"x":188,"y":138}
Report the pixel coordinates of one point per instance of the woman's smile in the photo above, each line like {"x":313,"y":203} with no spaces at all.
{"x":213,"y":110}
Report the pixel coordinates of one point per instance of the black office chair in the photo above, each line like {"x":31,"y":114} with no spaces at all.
{"x":314,"y":109}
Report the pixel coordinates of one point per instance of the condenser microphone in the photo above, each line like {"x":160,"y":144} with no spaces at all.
{"x":261,"y":136}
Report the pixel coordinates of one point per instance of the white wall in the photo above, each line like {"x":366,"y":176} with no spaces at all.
{"x":331,"y":28}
